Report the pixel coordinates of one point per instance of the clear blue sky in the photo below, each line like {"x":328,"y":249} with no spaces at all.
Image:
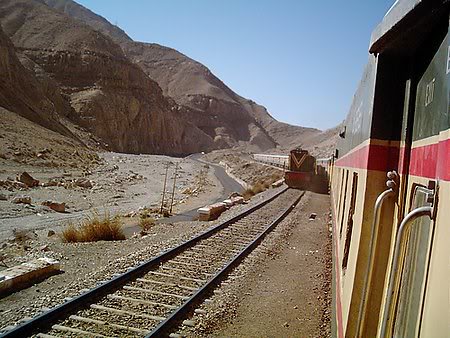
{"x":302,"y":59}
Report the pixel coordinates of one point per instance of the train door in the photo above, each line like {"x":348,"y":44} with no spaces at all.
{"x":417,"y":254}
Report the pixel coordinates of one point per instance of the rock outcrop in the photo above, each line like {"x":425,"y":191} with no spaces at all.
{"x":134,"y":97}
{"x":212,"y":106}
{"x":112,"y":97}
{"x":21,"y":92}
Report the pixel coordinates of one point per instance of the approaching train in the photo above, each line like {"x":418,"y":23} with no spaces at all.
{"x":390,"y":183}
{"x":302,"y":171}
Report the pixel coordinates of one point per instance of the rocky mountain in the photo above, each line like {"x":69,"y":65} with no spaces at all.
{"x":21,"y":91}
{"x":200,"y":95}
{"x":136,"y":97}
{"x":111,"y":96}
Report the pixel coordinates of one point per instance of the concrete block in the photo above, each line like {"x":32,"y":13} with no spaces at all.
{"x":237,"y":200}
{"x":26,"y":274}
{"x":278,"y":183}
{"x":229,"y":203}
{"x":211,"y":212}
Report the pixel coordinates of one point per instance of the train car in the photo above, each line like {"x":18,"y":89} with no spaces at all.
{"x":302,"y":169}
{"x":281,"y":161}
{"x":324,"y":166}
{"x":390,"y":182}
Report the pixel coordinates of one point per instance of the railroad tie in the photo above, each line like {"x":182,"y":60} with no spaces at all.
{"x":127,"y":313}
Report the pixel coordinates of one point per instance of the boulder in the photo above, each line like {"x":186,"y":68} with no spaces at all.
{"x":56,"y":206}
{"x":83,"y":183}
{"x":51,"y":233}
{"x":21,"y":199}
{"x":51,"y":183}
{"x":28,"y":180}
{"x":237,"y":200}
{"x":3,"y":197}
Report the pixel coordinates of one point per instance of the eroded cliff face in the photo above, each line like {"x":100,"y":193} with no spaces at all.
{"x":22,"y":93}
{"x":199,"y":95}
{"x":213,"y":107}
{"x":112,"y":97}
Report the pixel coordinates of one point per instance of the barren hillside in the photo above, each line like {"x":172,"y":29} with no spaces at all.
{"x":211,"y":105}
{"x":111,"y":96}
{"x":21,"y":92}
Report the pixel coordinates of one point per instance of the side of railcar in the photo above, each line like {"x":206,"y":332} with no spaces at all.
{"x":281,"y":161}
{"x":391,"y":242}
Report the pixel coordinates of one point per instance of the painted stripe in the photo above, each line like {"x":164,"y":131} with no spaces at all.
{"x":337,"y":271}
{"x":431,"y":161}
{"x":372,"y":157}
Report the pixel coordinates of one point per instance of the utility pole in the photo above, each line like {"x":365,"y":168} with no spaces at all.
{"x":173,"y":188}
{"x":164,"y":189}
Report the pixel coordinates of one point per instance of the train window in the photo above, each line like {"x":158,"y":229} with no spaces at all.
{"x":341,"y":184}
{"x":414,"y":271}
{"x":351,"y":211}
{"x":344,"y":191}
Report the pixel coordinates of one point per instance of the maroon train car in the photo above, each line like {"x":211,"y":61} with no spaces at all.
{"x":302,"y":169}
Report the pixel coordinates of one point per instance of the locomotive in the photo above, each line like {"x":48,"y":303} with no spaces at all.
{"x":390,"y":182}
{"x":301,"y":170}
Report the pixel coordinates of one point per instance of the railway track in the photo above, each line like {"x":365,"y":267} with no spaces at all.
{"x":153,"y":298}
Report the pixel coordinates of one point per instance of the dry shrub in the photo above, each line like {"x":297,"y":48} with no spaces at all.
{"x":70,"y":234}
{"x":20,"y":235}
{"x":165,"y":213}
{"x":258,"y":187}
{"x":261,"y":185}
{"x":95,"y":229}
{"x":248,"y":193}
{"x":146,"y":223}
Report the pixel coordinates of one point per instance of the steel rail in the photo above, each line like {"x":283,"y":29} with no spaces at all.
{"x":162,"y":330}
{"x":45,"y":320}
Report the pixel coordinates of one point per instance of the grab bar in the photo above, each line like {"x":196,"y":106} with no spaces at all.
{"x":404,"y":226}
{"x":392,"y":175}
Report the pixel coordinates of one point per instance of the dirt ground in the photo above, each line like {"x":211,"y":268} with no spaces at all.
{"x":289,"y":295}
{"x":241,"y":165}
{"x":282,"y":289}
{"x":121,"y":184}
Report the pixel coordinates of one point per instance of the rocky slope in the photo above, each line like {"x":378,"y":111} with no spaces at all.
{"x":111,"y":96}
{"x":136,"y":97}
{"x":21,"y":92}
{"x":200,"y":95}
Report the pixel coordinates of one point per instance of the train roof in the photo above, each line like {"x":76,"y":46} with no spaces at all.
{"x":401,"y":18}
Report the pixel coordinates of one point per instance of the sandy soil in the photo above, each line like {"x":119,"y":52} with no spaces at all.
{"x":241,"y":165}
{"x":289,"y":295}
{"x":283,"y":289}
{"x":260,"y":298}
{"x":122,"y":184}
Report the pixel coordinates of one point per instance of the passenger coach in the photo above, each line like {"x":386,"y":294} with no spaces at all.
{"x":390,"y":183}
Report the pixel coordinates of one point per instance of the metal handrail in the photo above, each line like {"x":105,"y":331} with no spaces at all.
{"x":404,"y":226}
{"x":373,"y":238}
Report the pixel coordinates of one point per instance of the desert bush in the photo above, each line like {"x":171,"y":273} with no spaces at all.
{"x":258,"y":187}
{"x":146,"y":223}
{"x":95,"y":228}
{"x":70,"y":234}
{"x":21,"y":235}
{"x":261,"y":185}
{"x":248,"y":193}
